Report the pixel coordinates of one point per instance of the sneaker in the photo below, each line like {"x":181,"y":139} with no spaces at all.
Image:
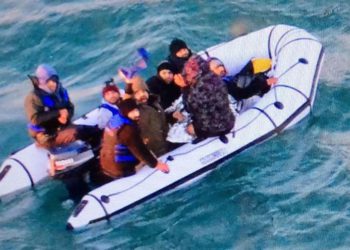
{"x":198,"y":140}
{"x":223,"y":139}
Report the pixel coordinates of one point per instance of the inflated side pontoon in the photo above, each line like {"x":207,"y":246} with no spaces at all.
{"x":297,"y":58}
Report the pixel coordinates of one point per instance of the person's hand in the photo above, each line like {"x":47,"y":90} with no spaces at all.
{"x":52,"y":169}
{"x":63,"y":116}
{"x":145,"y":141}
{"x":163,"y":167}
{"x":178,"y":116}
{"x":190,"y":130}
{"x":179,"y":80}
{"x":66,"y":136}
{"x":124,"y":78}
{"x":271,"y":81}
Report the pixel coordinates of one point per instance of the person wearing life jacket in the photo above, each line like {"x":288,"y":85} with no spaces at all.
{"x":49,"y":112}
{"x":122,"y":146}
{"x":108,"y":108}
{"x":153,"y":122}
{"x":179,"y":54}
{"x":250,"y":81}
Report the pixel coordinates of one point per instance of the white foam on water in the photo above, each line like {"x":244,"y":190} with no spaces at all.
{"x":336,"y":64}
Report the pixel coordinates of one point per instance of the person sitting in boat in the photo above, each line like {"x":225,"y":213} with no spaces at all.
{"x":49,"y":111}
{"x":108,"y":108}
{"x":179,"y":54}
{"x":152,"y":123}
{"x":163,"y":84}
{"x":206,"y":99}
{"x":122,"y":146}
{"x":178,"y":134}
{"x":251,"y":80}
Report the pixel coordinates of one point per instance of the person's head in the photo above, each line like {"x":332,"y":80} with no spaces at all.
{"x":46,"y":78}
{"x":140,"y":90}
{"x":128,"y":108}
{"x":111,"y":93}
{"x":165,"y":71}
{"x":52,"y":83}
{"x":217,"y":67}
{"x":179,"y":48}
{"x":194,"y":69}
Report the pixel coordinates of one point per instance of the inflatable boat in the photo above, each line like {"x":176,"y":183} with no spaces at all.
{"x":296,"y":61}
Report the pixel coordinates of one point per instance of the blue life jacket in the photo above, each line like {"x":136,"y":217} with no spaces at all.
{"x":122,"y":152}
{"x":49,"y":102}
{"x":110,"y":108}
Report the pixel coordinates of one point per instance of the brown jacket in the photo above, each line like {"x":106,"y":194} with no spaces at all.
{"x":129,"y":136}
{"x":38,"y":114}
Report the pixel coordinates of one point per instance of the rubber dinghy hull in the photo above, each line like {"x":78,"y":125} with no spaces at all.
{"x":297,"y":58}
{"x":27,"y":167}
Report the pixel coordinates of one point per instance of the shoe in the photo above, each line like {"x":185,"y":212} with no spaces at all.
{"x":198,"y":140}
{"x":223,"y":139}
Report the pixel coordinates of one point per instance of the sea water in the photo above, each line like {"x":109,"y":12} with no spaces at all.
{"x":291,"y":192}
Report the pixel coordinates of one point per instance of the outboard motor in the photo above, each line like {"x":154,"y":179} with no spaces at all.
{"x":70,"y":158}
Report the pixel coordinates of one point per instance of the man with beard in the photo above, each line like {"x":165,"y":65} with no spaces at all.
{"x":206,"y":99}
{"x":122,"y":146}
{"x":108,"y":108}
{"x":152,"y":123}
{"x":49,"y":111}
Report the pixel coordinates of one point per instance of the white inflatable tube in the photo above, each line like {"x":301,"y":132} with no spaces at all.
{"x":297,"y":58}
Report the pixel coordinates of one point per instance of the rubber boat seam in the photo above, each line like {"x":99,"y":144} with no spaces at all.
{"x":266,"y":114}
{"x":295,"y":89}
{"x":25,"y":169}
{"x":281,"y":38}
{"x":215,"y":164}
{"x":252,"y":120}
{"x":269,"y":41}
{"x":296,"y":40}
{"x":204,"y":169}
{"x":103,"y":207}
{"x":316,"y":74}
{"x":185,"y":179}
{"x":132,"y":186}
{"x":233,"y":131}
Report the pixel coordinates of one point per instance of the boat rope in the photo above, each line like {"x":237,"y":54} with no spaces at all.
{"x":269,"y":41}
{"x":105,"y":198}
{"x":283,"y":36}
{"x":101,"y":204}
{"x":296,"y":40}
{"x":267,"y":115}
{"x":25,"y":169}
{"x":302,"y":61}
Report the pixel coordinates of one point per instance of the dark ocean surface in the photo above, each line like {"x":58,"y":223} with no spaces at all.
{"x":291,"y":192}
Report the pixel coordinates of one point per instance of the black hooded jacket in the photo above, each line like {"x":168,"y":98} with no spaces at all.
{"x":178,"y":62}
{"x":168,"y":93}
